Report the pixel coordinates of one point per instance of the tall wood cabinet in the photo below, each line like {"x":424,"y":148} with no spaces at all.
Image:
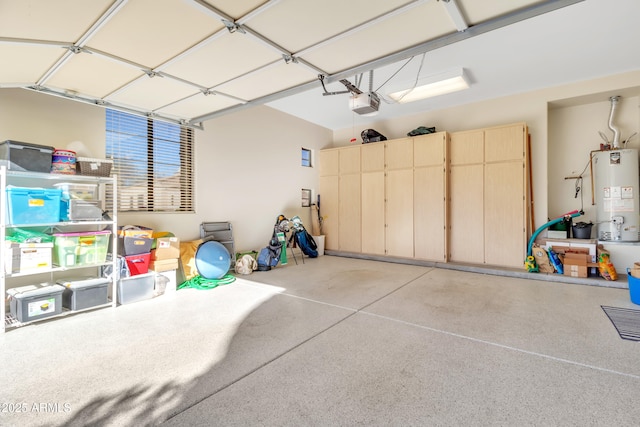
{"x":340,"y":198}
{"x":373,"y":198}
{"x":488,"y":196}
{"x":399,"y":197}
{"x":430,"y":196}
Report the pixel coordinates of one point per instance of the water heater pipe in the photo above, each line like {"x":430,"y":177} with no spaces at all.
{"x":616,"y":133}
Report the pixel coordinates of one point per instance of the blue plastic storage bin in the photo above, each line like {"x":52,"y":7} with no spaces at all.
{"x":33,"y":205}
{"x":634,"y":288}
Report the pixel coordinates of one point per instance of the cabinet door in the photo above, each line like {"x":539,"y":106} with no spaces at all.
{"x":349,"y":160}
{"x":349,"y":213}
{"x":329,"y":210}
{"x":328,"y":162}
{"x":466,"y":147}
{"x":505,"y":143}
{"x":373,"y":213}
{"x":399,"y":153}
{"x":372,"y":157}
{"x":429,"y":213}
{"x":466,"y":225}
{"x":399,"y":213}
{"x":429,"y":150}
{"x":505,"y":217}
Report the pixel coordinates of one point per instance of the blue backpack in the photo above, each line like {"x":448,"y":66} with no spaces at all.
{"x":269,"y":257}
{"x":305,"y":242}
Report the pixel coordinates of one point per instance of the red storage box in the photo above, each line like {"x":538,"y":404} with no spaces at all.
{"x":138,"y":264}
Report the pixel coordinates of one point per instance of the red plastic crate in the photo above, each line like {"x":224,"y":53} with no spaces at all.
{"x":138,"y":264}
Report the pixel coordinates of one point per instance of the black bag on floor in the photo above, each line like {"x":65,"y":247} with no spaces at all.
{"x":305,"y":242}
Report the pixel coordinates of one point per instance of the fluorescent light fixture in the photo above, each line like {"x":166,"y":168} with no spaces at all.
{"x":433,"y":85}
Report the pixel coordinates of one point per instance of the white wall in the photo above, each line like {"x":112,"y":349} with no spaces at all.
{"x":247,"y":166}
{"x":573,"y":133}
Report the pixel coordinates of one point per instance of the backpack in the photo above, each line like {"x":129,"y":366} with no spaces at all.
{"x":371,"y":135}
{"x":306,"y":243}
{"x":422,"y":130}
{"x":270,"y":256}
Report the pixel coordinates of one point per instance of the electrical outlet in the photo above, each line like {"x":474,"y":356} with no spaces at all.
{"x":617,"y":220}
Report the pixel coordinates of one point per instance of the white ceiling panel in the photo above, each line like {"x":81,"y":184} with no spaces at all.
{"x":408,"y":28}
{"x":150,"y":32}
{"x":475,"y":12}
{"x":298,"y":24}
{"x":151,"y":93}
{"x":197,"y":105}
{"x":93,"y":75}
{"x":270,"y":80}
{"x":238,"y":8}
{"x":26,"y":63}
{"x":60,"y":20}
{"x":222,"y":59}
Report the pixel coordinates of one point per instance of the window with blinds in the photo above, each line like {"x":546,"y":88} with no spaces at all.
{"x":153,"y":162}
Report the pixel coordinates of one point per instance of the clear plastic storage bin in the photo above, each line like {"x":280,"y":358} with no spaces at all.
{"x":78,"y":249}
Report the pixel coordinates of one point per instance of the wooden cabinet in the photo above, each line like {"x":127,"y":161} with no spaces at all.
{"x":328,"y":182}
{"x":399,"y":197}
{"x":372,"y":198}
{"x":387,"y":198}
{"x":488,"y":214}
{"x":429,"y":196}
{"x":340,"y":198}
{"x":466,"y":197}
{"x":438,"y":197}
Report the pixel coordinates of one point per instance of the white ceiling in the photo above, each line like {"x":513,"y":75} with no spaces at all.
{"x":191,"y":60}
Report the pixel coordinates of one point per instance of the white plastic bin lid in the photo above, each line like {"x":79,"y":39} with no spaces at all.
{"x":35,"y":290}
{"x":80,"y":283}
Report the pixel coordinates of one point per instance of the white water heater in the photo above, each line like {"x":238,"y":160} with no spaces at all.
{"x":617,"y":189}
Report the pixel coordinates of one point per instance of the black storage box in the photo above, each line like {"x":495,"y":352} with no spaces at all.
{"x":23,"y":156}
{"x":35,"y":302}
{"x":131,"y":245}
{"x":84,"y":293}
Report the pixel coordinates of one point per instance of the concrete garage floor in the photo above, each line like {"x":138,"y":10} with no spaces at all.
{"x":336,"y":341}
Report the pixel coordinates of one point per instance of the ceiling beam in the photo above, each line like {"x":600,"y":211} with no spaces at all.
{"x":455,"y":14}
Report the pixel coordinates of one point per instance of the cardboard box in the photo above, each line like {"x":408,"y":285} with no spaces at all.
{"x":27,"y":257}
{"x":576,"y":264}
{"x":166,"y":248}
{"x":573,"y":244}
{"x":161,"y":265}
{"x":635,"y":271}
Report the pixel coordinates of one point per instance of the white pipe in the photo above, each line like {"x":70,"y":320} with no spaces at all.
{"x":616,"y":132}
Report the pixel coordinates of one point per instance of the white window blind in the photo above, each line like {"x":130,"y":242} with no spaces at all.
{"x":153,"y":162}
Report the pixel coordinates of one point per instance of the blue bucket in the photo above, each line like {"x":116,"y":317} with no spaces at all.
{"x":634,"y":288}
